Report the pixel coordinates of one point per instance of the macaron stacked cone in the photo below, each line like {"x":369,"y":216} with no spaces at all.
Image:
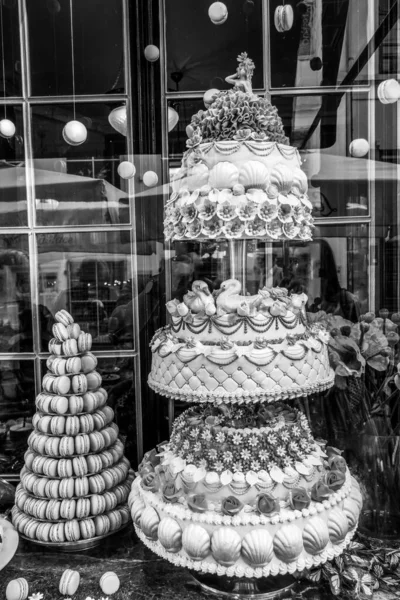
{"x":76,"y":480}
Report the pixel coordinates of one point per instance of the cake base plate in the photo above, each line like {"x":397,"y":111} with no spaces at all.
{"x":264,"y":588}
{"x":78,"y":546}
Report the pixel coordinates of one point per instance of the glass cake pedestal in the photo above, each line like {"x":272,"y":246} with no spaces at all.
{"x":263,"y":588}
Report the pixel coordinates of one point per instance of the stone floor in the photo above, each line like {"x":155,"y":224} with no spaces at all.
{"x":143,"y":575}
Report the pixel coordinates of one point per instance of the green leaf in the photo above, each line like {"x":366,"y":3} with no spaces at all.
{"x":390,"y":581}
{"x":351,"y":574}
{"x":355,"y":546}
{"x":315,"y":575}
{"x":339,"y":562}
{"x":377,"y":570}
{"x":360,"y":562}
{"x":366,"y":590}
{"x":334,"y":582}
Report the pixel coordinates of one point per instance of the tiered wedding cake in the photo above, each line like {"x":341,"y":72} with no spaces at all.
{"x":242,"y":488}
{"x":76,"y":480}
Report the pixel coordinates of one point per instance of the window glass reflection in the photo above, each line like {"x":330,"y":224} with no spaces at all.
{"x":322,"y":46}
{"x":195,"y":65}
{"x":9,"y":20}
{"x":98,"y":47}
{"x":89,"y":275}
{"x":17,"y":405}
{"x":13,"y":206}
{"x":78,"y":185}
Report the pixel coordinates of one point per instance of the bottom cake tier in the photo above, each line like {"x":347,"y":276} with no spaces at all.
{"x":247,"y":544}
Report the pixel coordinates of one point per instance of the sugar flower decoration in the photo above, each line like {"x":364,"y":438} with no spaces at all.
{"x":37,"y":596}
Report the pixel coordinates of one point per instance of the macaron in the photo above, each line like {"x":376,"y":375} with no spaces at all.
{"x":94,"y":463}
{"x":72,"y":531}
{"x":68,"y":508}
{"x":87,"y":528}
{"x":50,"y":361}
{"x":57,"y":425}
{"x":93,"y":380}
{"x":79,"y":383}
{"x":31,"y":462}
{"x":21,"y":496}
{"x":62,"y":316}
{"x":89,"y":362}
{"x":97,"y":504}
{"x":97,"y":484}
{"x":65,"y":467}
{"x":90,"y":401}
{"x":75,"y":404}
{"x":28,"y":481}
{"x":52,"y":446}
{"x":109,"y":413}
{"x":110,"y":478}
{"x":57,"y":534}
{"x":73,"y":364}
{"x":53,"y":510}
{"x":101,"y":392}
{"x":45,"y":403}
{"x":81,"y":486}
{"x":111,"y":500}
{"x":99,"y":420}
{"x":72,"y":425}
{"x":39,"y":487}
{"x":107,"y":458}
{"x":121,"y":492}
{"x":83,"y":508}
{"x":44,"y":424}
{"x":67,"y":488}
{"x":60,"y":332}
{"x":86,"y":423}
{"x":80,"y":466}
{"x":17,"y":589}
{"x":61,"y":385}
{"x":59,"y":404}
{"x":69,"y":582}
{"x":31,"y":529}
{"x":84,"y":342}
{"x":73,"y":330}
{"x":109,"y":583}
{"x":47,"y":382}
{"x":125,"y":514}
{"x":43,"y":532}
{"x":82,"y":443}
{"x":67,"y":446}
{"x":53,"y":488}
{"x":39,"y":508}
{"x":97,"y":441}
{"x":70,"y":347}
{"x":50,"y":467}
{"x":55,"y":347}
{"x":115,"y":519}
{"x":58,"y":366}
{"x":102,"y":524}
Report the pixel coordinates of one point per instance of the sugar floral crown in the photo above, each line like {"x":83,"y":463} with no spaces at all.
{"x":247,"y":64}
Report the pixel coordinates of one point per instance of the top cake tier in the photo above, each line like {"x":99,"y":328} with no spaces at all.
{"x":239,"y":179}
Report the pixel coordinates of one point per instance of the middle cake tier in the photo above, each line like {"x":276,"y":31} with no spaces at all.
{"x":241,"y":349}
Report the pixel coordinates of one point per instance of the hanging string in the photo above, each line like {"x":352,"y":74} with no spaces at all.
{"x":3,"y":60}
{"x":73,"y":58}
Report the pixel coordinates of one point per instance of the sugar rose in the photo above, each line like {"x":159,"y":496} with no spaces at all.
{"x":171,"y":493}
{"x":231,"y":506}
{"x":150,"y":482}
{"x":197,"y":503}
{"x":299,"y":498}
{"x":266,"y":504}
{"x":337,"y":463}
{"x":145,"y":467}
{"x":335,"y":479}
{"x":320,"y":491}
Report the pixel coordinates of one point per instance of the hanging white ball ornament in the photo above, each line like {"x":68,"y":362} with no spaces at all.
{"x":389,"y":91}
{"x":208,"y":97}
{"x":218,"y":13}
{"x":173,"y":118}
{"x":151,"y":53}
{"x":74,"y":133}
{"x":126,"y":169}
{"x":150,"y":178}
{"x":359,"y":148}
{"x":283,"y":18}
{"x":7,"y":128}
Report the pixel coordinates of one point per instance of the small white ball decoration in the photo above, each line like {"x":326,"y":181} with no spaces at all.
{"x":151,"y":53}
{"x":126,"y":169}
{"x":7,"y":128}
{"x":283,"y":18}
{"x":74,"y":133}
{"x":389,"y":91}
{"x":150,"y":178}
{"x":359,"y":148}
{"x":218,"y":13}
{"x":173,"y":118}
{"x":208,"y":96}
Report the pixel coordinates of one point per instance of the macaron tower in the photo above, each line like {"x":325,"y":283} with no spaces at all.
{"x":242,"y":494}
{"x":76,"y":480}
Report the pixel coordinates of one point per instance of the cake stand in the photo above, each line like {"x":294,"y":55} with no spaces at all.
{"x":265,"y":588}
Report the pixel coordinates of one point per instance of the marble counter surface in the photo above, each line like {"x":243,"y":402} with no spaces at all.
{"x":143,"y":575}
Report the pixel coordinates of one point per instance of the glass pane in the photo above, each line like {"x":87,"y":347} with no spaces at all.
{"x":15,"y":297}
{"x":78,"y":185}
{"x":13,"y":204}
{"x":89,"y":275}
{"x":322,"y":128}
{"x":324,"y":43}
{"x":98,"y":47}
{"x":17,"y":405}
{"x":192,"y":63}
{"x":10,"y":72}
